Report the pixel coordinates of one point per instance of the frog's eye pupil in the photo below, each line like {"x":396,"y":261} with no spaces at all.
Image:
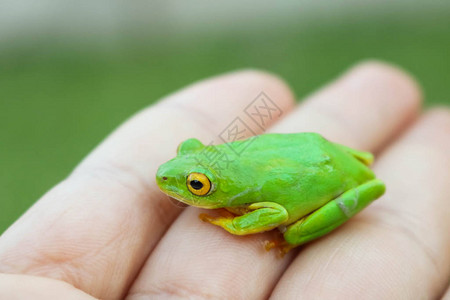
{"x":197,"y":185}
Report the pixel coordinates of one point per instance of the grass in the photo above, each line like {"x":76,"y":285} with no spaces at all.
{"x":59,"y":99}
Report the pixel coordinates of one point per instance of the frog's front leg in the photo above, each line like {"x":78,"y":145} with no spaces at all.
{"x":334,"y":213}
{"x":262,"y":216}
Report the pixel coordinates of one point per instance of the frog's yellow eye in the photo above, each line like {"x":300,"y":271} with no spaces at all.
{"x":198,"y":184}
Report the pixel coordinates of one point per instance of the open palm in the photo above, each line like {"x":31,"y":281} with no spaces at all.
{"x":108,"y":232}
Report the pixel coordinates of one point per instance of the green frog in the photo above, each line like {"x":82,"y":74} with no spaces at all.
{"x":300,"y":183}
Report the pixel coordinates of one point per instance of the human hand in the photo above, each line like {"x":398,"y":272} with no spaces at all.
{"x":107,"y":231}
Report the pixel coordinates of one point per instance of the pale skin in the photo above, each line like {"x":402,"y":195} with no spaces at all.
{"x":104,"y":231}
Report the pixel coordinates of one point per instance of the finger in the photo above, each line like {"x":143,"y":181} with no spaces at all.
{"x":206,"y":261}
{"x":400,"y":245}
{"x":364,"y":109}
{"x":447,"y":294}
{"x":95,"y":229}
{"x":32,"y":287}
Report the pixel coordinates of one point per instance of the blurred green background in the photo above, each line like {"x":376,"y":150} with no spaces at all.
{"x":62,"y":92}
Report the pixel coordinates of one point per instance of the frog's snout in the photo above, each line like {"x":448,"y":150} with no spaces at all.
{"x":161,"y":178}
{"x":165,"y":178}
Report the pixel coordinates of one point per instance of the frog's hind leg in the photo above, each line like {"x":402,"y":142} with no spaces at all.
{"x":334,"y":213}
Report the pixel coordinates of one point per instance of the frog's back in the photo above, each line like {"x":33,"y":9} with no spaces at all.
{"x":300,"y":154}
{"x":306,"y":148}
{"x":310,"y":169}
{"x":285,"y":144}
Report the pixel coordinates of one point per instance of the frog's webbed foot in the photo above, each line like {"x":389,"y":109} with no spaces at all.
{"x":221,"y":214}
{"x":207,"y":218}
{"x":262,"y":216}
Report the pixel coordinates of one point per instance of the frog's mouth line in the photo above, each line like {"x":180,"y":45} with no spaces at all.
{"x":192,"y":202}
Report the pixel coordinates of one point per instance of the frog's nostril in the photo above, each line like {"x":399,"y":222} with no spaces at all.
{"x":164,"y":178}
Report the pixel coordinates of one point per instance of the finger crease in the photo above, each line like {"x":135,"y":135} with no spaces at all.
{"x":166,"y":291}
{"x":403,"y":226}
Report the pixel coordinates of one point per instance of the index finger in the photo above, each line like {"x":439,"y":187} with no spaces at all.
{"x":95,"y":229}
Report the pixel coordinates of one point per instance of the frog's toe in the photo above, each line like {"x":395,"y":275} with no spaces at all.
{"x":278,"y":243}
{"x":283,"y":247}
{"x":207,"y":218}
{"x":269,"y":245}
